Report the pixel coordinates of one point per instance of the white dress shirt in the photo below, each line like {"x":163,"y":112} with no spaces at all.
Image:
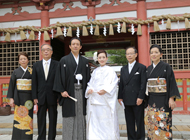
{"x":24,"y":68}
{"x":48,"y":63}
{"x":130,"y":66}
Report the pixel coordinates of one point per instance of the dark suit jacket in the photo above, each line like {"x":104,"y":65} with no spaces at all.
{"x":43,"y":89}
{"x":133,"y":85}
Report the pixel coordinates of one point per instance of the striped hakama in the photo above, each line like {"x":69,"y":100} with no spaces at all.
{"x":74,"y":128}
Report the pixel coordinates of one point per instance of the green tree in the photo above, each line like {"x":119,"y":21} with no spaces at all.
{"x":117,"y":56}
{"x":89,"y":54}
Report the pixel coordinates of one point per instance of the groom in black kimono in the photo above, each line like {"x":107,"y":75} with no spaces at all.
{"x":65,"y":81}
{"x":132,"y":88}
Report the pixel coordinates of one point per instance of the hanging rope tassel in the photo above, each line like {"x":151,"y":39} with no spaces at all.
{"x":97,"y":32}
{"x":84,"y":31}
{"x":111,"y":32}
{"x":187,"y":24}
{"x":22,"y":35}
{"x":156,"y":27}
{"x":46,"y":36}
{"x":32,"y":35}
{"x":8,"y":37}
{"x":123,"y":29}
{"x":59,"y":31}
{"x":69,"y":33}
{"x":168,"y":24}
{"x":139,"y":31}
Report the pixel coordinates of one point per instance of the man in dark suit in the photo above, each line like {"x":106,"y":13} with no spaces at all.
{"x":132,"y":88}
{"x":42,"y":92}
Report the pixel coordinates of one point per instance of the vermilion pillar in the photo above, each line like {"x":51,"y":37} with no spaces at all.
{"x":91,"y":11}
{"x":44,"y":23}
{"x":143,"y":45}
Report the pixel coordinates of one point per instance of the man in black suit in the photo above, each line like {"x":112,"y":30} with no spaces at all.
{"x":132,"y":88}
{"x":42,"y":92}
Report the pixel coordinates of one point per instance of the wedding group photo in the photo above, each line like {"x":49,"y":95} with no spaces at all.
{"x":94,"y":70}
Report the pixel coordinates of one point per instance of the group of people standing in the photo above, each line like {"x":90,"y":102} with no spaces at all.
{"x":69,"y":83}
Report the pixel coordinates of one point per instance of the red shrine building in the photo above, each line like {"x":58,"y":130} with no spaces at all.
{"x":109,"y":24}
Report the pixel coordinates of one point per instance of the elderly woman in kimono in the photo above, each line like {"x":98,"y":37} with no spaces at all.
{"x":162,"y":92}
{"x":20,"y":95}
{"x":101,"y":94}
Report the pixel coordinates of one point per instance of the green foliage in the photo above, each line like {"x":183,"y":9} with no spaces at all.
{"x":117,"y":56}
{"x":89,"y":54}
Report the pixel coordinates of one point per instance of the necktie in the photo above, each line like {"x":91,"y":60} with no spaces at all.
{"x":130,"y":68}
{"x":46,"y":70}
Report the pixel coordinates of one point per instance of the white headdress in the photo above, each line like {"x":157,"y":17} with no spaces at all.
{"x":95,"y":56}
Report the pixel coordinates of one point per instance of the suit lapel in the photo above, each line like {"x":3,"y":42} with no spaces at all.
{"x":50,"y":69}
{"x":134,"y":69}
{"x":126,"y":72}
{"x":41,"y":67}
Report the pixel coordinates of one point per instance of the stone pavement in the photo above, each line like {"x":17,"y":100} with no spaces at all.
{"x":58,"y":137}
{"x":181,"y":125}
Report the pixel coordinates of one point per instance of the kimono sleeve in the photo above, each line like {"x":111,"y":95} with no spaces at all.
{"x":90,"y":84}
{"x":173,"y":89}
{"x":59,"y":81}
{"x":12,"y":86}
{"x":110,"y":82}
{"x":34,"y":83}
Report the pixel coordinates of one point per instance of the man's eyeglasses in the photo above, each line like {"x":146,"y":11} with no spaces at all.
{"x":43,"y":50}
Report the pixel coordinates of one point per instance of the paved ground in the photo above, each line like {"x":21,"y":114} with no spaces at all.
{"x":181,"y":125}
{"x":58,"y":137}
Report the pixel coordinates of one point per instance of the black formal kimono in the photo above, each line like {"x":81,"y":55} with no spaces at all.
{"x":131,"y":87}
{"x":161,"y":86}
{"x":20,"y":91}
{"x":73,"y":112}
{"x":42,"y":89}
{"x":65,"y":80}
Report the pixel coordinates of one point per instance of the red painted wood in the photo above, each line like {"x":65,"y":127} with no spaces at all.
{"x":180,"y":103}
{"x":182,"y":74}
{"x":59,"y":13}
{"x":16,"y":5}
{"x":181,"y":112}
{"x":184,"y":95}
{"x":44,"y":23}
{"x":4,"y":80}
{"x":115,"y":9}
{"x":1,"y":93}
{"x":27,"y":16}
{"x":91,"y":12}
{"x":143,"y":55}
{"x":167,"y":4}
{"x":124,"y":7}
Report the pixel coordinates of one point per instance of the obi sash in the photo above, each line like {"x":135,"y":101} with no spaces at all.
{"x":24,"y":84}
{"x":157,"y":85}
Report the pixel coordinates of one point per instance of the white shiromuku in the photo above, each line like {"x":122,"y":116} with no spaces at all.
{"x":102,"y":122}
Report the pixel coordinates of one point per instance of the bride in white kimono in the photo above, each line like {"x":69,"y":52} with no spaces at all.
{"x":101,"y":94}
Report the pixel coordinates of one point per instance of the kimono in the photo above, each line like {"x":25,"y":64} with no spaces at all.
{"x":161,"y":86}
{"x":102,"y":123}
{"x":20,"y":90}
{"x":73,"y":113}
